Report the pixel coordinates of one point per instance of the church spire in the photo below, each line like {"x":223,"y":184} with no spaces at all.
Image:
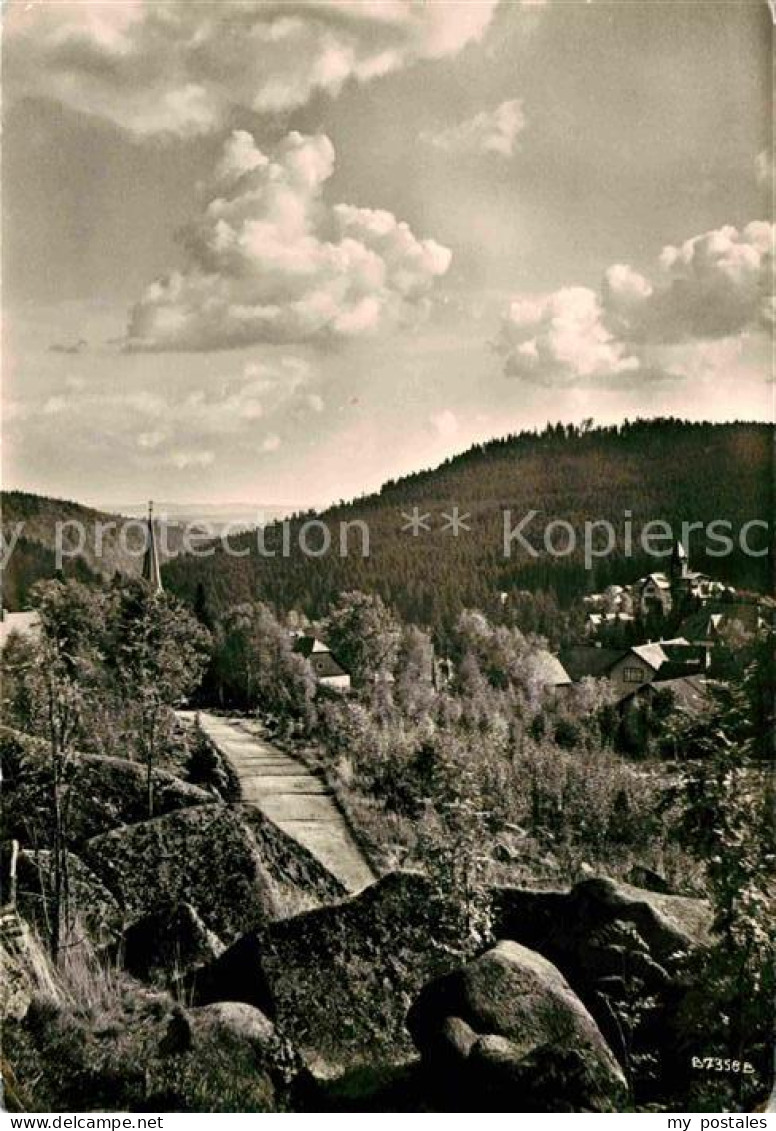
{"x":680,"y":563}
{"x":151,"y":570}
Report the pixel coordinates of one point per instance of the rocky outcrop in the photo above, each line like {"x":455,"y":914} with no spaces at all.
{"x":507,"y":1033}
{"x":235,"y":975}
{"x":570,"y":923}
{"x":90,"y":903}
{"x":203,"y":856}
{"x":343,"y":977}
{"x":628,"y":953}
{"x":242,"y":1027}
{"x":102,"y":794}
{"x":339,"y":979}
{"x":169,"y":945}
{"x":150,"y":1054}
{"x":292,"y":867}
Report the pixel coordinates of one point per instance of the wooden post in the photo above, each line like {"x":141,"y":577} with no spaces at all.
{"x":12,"y":876}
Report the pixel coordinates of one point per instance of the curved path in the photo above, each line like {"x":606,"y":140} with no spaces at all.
{"x":292,"y":796}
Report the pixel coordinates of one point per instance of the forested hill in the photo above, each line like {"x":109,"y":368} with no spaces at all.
{"x":96,"y":545}
{"x":660,"y":469}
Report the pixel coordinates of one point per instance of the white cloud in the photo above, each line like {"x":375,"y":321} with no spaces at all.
{"x":445,"y":423}
{"x":713,"y":286}
{"x":182,"y":68}
{"x":491,"y":131}
{"x":190,"y":429}
{"x":710,"y":286}
{"x":560,"y":339}
{"x":269,"y":261}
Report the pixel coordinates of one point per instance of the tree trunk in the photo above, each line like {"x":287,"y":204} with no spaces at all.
{"x":56,"y":907}
{"x":149,"y":769}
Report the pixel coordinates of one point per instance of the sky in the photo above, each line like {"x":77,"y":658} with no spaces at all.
{"x":276,"y":253}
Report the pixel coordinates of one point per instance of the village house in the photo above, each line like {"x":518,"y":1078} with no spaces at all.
{"x":329,"y":672}
{"x":628,"y":669}
{"x":657,"y":594}
{"x":23,"y":624}
{"x":710,"y":625}
{"x":548,"y":671}
{"x":652,"y":702}
{"x":595,"y":622}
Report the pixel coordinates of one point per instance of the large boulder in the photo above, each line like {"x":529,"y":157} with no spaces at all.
{"x":579,"y":926}
{"x":507,"y":1033}
{"x":91,"y":906}
{"x":343,"y":977}
{"x":627,"y":952}
{"x":169,"y":944}
{"x":202,"y":855}
{"x":301,"y":880}
{"x":339,"y":979}
{"x":242,"y":1027}
{"x":147,"y":1053}
{"x":102,"y":793}
{"x":235,"y":975}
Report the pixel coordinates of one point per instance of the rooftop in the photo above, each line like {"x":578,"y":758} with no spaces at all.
{"x":26,"y":624}
{"x":587,"y":660}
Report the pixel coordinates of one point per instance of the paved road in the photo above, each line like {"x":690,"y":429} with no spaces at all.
{"x":292,"y":796}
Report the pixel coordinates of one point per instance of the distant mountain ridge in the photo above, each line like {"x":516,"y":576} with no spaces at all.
{"x":95,"y":544}
{"x":651,"y":469}
{"x":215,"y":516}
{"x":665,"y":469}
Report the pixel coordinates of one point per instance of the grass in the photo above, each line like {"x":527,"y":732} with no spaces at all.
{"x":93,"y":1039}
{"x":549,"y":816}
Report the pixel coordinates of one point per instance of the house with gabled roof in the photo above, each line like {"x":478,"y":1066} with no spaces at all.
{"x":709,"y":625}
{"x":547,"y":670}
{"x":328,"y":670}
{"x":628,"y":669}
{"x":689,"y":695}
{"x":658,"y":594}
{"x":639,"y":665}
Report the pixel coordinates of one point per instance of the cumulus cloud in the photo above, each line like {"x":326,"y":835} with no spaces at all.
{"x":269,"y":261}
{"x":714,"y":286}
{"x":182,"y":68}
{"x":710,"y":286}
{"x":491,"y":131}
{"x":561,"y":339}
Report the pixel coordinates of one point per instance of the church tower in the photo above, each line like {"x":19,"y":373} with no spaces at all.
{"x":680,"y":565}
{"x":678,"y":573}
{"x":151,"y":570}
